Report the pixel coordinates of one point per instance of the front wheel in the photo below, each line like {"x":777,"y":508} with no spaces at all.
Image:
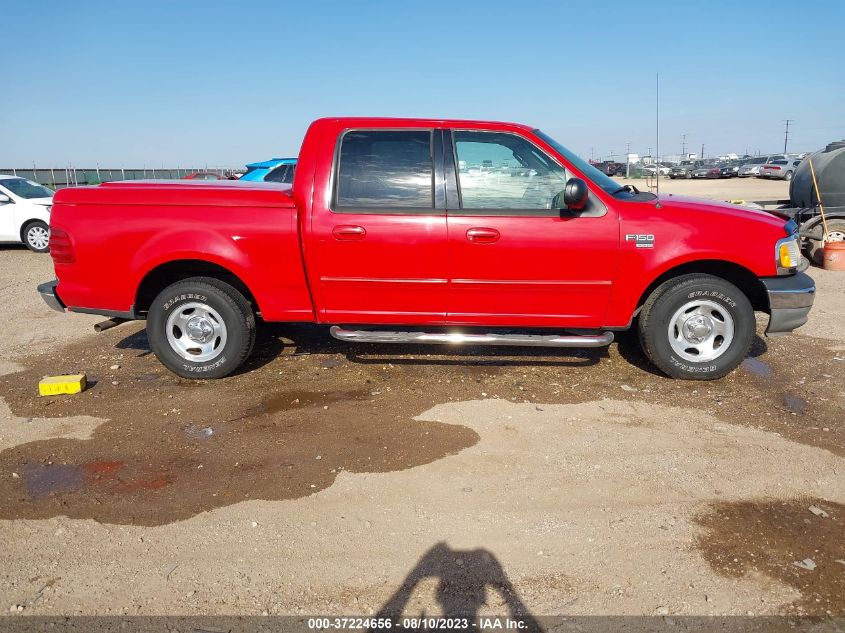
{"x":696,"y":327}
{"x":201,"y":328}
{"x":36,"y":236}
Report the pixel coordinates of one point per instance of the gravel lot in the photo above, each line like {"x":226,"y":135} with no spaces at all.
{"x":330,"y":478}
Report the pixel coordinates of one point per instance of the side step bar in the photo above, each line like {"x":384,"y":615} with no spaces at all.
{"x":458,"y":338}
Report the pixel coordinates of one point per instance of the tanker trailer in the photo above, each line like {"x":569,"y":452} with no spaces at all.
{"x":829,"y":165}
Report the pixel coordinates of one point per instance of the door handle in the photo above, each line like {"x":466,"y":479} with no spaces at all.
{"x":349,"y":232}
{"x":483,"y":235}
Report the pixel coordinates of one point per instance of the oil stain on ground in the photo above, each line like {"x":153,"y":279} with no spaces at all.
{"x":800,"y":543}
{"x":153,"y":470}
{"x":172,"y":449}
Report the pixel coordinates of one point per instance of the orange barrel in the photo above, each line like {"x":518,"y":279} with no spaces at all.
{"x":834,"y":256}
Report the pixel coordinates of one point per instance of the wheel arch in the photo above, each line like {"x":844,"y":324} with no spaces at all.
{"x":738,"y":275}
{"x":26,"y":224}
{"x":816,"y":220}
{"x":170,"y":272}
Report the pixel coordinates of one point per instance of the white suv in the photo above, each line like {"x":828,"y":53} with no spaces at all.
{"x":25,"y":212}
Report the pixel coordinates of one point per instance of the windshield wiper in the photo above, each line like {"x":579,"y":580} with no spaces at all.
{"x":629,"y":188}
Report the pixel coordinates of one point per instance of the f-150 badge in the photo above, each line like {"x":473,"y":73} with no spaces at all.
{"x":640,"y":240}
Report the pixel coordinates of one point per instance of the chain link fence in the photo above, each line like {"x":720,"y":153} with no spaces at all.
{"x":60,"y":177}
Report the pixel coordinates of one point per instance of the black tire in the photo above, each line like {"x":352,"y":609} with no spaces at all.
{"x":669,"y":298}
{"x":814,"y":248}
{"x":787,"y":176}
{"x":219,"y":299}
{"x":32,"y":235}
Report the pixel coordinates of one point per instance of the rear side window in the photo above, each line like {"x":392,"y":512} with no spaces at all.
{"x":282,"y":174}
{"x":385,"y":169}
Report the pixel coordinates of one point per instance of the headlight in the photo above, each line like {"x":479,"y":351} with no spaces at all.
{"x":788,"y":255}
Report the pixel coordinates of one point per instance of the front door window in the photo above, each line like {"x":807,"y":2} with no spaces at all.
{"x":505,"y":171}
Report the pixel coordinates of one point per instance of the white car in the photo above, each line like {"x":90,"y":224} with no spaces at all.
{"x":652,"y":169}
{"x":25,"y":213}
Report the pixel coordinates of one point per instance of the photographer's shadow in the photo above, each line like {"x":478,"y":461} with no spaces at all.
{"x":463,"y":579}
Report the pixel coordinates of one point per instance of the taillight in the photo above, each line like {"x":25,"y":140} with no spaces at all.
{"x":61,"y":248}
{"x":774,"y":167}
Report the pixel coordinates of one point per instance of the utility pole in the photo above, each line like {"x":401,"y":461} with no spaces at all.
{"x":702,"y":152}
{"x":627,"y":160}
{"x":592,"y":154}
{"x":786,"y":133}
{"x":684,"y":145}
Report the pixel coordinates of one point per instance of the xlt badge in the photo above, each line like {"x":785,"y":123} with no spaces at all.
{"x":640,"y":240}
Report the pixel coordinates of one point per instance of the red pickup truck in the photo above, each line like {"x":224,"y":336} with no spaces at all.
{"x":427,"y":231}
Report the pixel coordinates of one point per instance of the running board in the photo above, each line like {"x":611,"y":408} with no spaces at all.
{"x":458,"y":338}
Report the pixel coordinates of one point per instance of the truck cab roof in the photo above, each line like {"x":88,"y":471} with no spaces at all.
{"x":404,"y":122}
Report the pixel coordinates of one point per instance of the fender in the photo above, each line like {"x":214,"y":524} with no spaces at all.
{"x":628,"y":292}
{"x":202,"y":245}
{"x":269,"y":265}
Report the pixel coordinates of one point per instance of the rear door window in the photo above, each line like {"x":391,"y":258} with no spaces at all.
{"x":282,"y":174}
{"x":384,"y":169}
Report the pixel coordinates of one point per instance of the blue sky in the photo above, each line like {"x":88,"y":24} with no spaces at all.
{"x":223,"y":83}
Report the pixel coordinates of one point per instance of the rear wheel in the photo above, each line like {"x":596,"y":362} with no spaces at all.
{"x":36,"y":236}
{"x":788,"y":176}
{"x":696,"y":327}
{"x":201,"y":328}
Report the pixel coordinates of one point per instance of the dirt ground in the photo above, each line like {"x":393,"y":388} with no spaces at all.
{"x":328,"y":478}
{"x":749,"y":189}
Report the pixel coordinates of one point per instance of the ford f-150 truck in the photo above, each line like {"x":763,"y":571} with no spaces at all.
{"x":427,"y":231}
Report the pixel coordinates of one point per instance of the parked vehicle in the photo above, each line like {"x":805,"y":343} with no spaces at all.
{"x":607,"y":167}
{"x":428,"y":231}
{"x":685,"y":168}
{"x":273,"y":170}
{"x":204,"y":175}
{"x":652,"y":169}
{"x":707,"y":171}
{"x":752,"y":167}
{"x":780,"y":169}
{"x":25,"y":212}
{"x":729,"y":169}
{"x":803,"y":203}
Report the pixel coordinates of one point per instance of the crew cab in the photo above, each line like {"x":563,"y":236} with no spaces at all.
{"x":427,"y":231}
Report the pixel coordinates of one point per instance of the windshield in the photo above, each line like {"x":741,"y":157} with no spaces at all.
{"x":24,"y":188}
{"x":596,"y":176}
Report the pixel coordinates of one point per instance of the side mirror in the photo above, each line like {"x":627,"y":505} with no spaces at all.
{"x":575,"y":194}
{"x":4,"y":199}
